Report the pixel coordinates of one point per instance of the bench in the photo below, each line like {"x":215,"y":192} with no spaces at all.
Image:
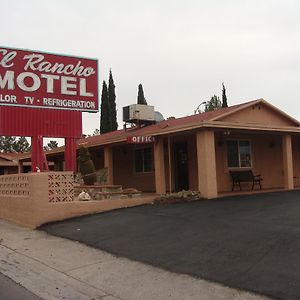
{"x":244,"y":176}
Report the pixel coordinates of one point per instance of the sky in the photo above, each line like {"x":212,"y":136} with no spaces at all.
{"x":181,"y":51}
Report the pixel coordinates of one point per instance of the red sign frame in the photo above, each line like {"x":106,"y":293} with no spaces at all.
{"x":43,"y":80}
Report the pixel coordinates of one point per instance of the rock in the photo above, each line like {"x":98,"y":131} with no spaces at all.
{"x":84,"y":196}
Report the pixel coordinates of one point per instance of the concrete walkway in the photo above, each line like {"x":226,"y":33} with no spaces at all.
{"x":55,"y":268}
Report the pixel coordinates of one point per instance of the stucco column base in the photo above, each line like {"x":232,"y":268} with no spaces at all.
{"x":206,"y":156}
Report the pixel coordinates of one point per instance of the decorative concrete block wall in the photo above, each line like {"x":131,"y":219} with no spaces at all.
{"x":34,"y":199}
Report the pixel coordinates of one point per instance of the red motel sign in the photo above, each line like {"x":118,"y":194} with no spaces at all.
{"x":42,"y":80}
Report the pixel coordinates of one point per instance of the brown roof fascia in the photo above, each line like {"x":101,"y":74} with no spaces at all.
{"x":107,"y":142}
{"x":199,"y":125}
{"x":230,"y":125}
{"x":257,"y":127}
{"x":5,"y":157}
{"x":14,"y":160}
{"x":8,"y":164}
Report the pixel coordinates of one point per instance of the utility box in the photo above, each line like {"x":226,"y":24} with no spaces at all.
{"x":138,"y":113}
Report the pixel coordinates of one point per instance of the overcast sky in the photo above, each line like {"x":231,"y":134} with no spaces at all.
{"x":181,"y":51}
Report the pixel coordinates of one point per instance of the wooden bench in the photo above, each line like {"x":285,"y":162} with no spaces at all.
{"x":245,"y":176}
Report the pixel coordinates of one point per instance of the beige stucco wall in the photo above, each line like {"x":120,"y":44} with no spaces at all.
{"x":27,"y":213}
{"x":259,"y":114}
{"x":266,"y":150}
{"x":123,"y":167}
{"x":124,"y":170}
{"x":25,"y":199}
{"x":267,"y":160}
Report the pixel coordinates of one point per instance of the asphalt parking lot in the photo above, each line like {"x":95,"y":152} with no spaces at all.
{"x":249,"y":242}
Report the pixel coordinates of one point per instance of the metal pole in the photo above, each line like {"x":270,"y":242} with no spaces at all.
{"x":34,"y":153}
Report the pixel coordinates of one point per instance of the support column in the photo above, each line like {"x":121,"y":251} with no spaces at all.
{"x":70,"y":154}
{"x":287,"y":152}
{"x":108,"y":163}
{"x":20,"y":167}
{"x":206,"y":156}
{"x":37,"y":154}
{"x":159,"y":165}
{"x":34,"y":154}
{"x":41,"y":155}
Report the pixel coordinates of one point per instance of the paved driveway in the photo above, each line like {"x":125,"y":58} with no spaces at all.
{"x":247,"y":242}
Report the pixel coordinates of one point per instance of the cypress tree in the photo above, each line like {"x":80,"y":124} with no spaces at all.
{"x":141,"y":98}
{"x":105,"y":124}
{"x":224,"y":97}
{"x":112,"y":103}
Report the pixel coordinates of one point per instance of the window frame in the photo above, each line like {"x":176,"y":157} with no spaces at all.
{"x":143,"y":160}
{"x":239,"y":153}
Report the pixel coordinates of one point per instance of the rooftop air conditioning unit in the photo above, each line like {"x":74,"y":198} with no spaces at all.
{"x":136,"y":113}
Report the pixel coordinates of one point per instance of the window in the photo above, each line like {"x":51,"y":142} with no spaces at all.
{"x":238,"y":154}
{"x":143,"y":158}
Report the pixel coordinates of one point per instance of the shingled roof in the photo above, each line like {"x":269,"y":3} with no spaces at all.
{"x":159,"y":128}
{"x":169,"y":126}
{"x":178,"y":124}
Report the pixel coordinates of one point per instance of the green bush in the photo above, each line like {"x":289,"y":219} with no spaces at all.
{"x":86,"y":166}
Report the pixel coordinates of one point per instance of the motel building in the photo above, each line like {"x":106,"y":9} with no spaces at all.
{"x":198,"y":152}
{"x":9,"y":163}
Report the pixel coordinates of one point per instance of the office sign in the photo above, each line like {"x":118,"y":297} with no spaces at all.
{"x":42,"y":80}
{"x":140,"y":139}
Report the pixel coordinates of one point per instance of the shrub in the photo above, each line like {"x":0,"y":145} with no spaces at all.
{"x":86,"y":166}
{"x":182,"y":196}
